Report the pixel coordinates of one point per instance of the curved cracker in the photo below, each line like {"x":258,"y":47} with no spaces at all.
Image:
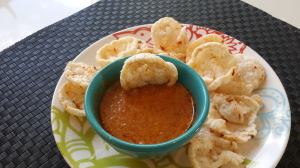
{"x":237,"y":108}
{"x":208,"y":150}
{"x":80,"y":73}
{"x":125,"y":46}
{"x":146,"y":68}
{"x":71,"y":97}
{"x":214,"y":63}
{"x":202,"y":40}
{"x":169,"y":37}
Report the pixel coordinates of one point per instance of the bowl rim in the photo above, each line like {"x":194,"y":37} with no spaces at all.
{"x":183,"y":138}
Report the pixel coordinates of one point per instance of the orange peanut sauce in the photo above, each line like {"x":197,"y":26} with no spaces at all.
{"x":147,"y":115}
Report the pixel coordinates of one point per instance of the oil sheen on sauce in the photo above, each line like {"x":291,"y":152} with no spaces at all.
{"x":147,"y":115}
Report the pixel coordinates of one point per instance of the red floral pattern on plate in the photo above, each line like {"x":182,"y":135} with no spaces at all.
{"x":193,"y":32}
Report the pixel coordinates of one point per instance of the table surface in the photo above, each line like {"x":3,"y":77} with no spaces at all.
{"x":31,"y":68}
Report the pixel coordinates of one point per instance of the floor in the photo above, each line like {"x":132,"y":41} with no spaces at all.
{"x":19,"y":21}
{"x":286,"y":10}
{"x":24,"y":17}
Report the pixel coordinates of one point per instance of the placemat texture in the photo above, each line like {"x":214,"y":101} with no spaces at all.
{"x":30,"y":69}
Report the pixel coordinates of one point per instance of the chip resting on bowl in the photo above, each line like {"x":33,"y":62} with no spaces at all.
{"x":146,"y":68}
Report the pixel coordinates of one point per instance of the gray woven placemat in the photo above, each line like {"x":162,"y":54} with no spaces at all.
{"x":30,"y":69}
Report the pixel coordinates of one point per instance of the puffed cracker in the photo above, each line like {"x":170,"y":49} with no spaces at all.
{"x":249,"y":76}
{"x":214,"y":63}
{"x":228,"y":130}
{"x":237,"y":108}
{"x":125,"y":46}
{"x":236,"y":86}
{"x":80,"y":73}
{"x":146,"y":68}
{"x":169,"y":37}
{"x":207,"y":150}
{"x":179,"y":56}
{"x":71,"y":97}
{"x":251,"y":70}
{"x":202,"y":40}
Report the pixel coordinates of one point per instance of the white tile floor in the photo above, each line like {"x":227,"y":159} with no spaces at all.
{"x":20,"y":18}
{"x":286,"y":10}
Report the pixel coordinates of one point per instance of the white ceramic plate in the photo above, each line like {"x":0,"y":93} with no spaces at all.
{"x":81,"y":147}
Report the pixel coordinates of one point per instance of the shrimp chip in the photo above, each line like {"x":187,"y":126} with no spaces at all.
{"x":71,"y":97}
{"x":179,"y":56}
{"x":146,"y":68}
{"x":207,"y":150}
{"x":121,"y":48}
{"x":170,"y":37}
{"x":239,"y":133}
{"x":249,"y":76}
{"x":236,"y":86}
{"x":236,"y":108}
{"x":80,"y":73}
{"x":251,"y":70}
{"x":228,"y":130}
{"x":202,"y":40}
{"x":214,"y":63}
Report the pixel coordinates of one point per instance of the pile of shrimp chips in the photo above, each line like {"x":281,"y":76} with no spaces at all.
{"x":230,"y":79}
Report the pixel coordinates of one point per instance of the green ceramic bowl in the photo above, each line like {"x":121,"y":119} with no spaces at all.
{"x":110,"y":74}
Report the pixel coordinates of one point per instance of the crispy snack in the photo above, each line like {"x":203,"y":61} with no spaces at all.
{"x":208,"y":150}
{"x":251,"y":70}
{"x":202,"y":40}
{"x":71,"y":97}
{"x":179,"y":56}
{"x":228,"y":130}
{"x":121,"y":48}
{"x":214,"y":63}
{"x":169,"y":38}
{"x":237,"y":109}
{"x":239,"y":133}
{"x":249,"y":76}
{"x":146,"y":68}
{"x":236,"y":86}
{"x":80,"y":73}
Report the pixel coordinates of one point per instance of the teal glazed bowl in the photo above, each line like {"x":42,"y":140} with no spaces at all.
{"x":110,"y":74}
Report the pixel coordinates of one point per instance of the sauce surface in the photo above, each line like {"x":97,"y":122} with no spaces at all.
{"x":146,"y":115}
